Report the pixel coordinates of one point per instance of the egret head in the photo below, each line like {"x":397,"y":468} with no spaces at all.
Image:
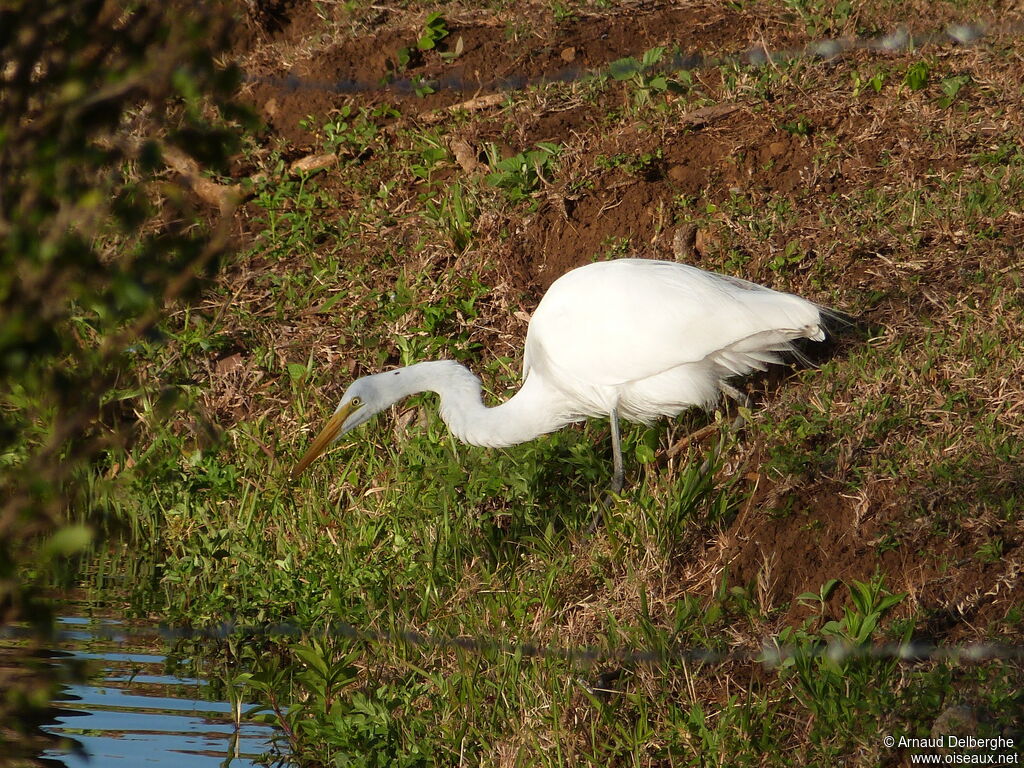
{"x":361,"y":401}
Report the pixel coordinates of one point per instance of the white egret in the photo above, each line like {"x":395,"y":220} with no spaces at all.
{"x":631,"y":338}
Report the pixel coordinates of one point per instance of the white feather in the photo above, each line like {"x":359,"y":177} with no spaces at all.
{"x":655,"y":337}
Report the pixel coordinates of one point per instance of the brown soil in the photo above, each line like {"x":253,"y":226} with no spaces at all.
{"x":495,"y":57}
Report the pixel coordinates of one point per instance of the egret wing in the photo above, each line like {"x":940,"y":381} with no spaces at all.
{"x":619,"y":321}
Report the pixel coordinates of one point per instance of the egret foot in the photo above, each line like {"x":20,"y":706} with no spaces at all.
{"x":608,"y":499}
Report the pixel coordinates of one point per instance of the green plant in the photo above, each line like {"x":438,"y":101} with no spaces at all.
{"x":874,"y":82}
{"x":288,"y":206}
{"x":615,"y":247}
{"x":801,"y":126}
{"x":454,"y":215}
{"x":990,"y":551}
{"x":819,"y":599}
{"x":647,"y":83}
{"x":562,"y":12}
{"x":870,"y":601}
{"x":518,"y":176}
{"x":632,"y":164}
{"x":350,"y":130}
{"x":792,"y":254}
{"x":951,"y":87}
{"x":821,"y":17}
{"x":329,"y":721}
{"x":422,"y":87}
{"x":435,"y":29}
{"x":834,"y":678}
{"x":95,"y":245}
{"x":916,"y":76}
{"x":429,"y":153}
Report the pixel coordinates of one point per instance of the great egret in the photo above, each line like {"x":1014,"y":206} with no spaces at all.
{"x":631,"y":338}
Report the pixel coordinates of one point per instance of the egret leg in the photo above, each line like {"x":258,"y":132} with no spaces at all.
{"x":745,"y":401}
{"x":618,"y":473}
{"x":740,"y":397}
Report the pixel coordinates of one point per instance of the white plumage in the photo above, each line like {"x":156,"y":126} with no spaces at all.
{"x":634,"y":338}
{"x":655,"y":337}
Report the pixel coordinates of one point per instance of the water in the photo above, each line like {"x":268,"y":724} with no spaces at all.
{"x":135,"y":714}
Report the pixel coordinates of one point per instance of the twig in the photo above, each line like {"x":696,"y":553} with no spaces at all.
{"x":683,"y":442}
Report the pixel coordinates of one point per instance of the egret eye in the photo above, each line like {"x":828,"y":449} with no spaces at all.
{"x":356,"y":401}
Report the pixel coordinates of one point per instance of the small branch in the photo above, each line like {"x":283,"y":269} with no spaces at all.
{"x":475,"y":104}
{"x":700,"y":434}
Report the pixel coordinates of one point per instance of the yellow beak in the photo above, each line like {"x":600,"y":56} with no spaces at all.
{"x":326,"y":436}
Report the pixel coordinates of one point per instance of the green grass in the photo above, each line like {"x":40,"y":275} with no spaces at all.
{"x":900,"y":454}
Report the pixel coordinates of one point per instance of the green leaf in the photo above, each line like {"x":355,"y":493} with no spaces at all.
{"x":889,"y":601}
{"x":652,"y":57}
{"x":867,"y":627}
{"x":917,"y":76}
{"x":828,"y":588}
{"x":644,"y":454}
{"x":312,"y":657}
{"x":831,"y":628}
{"x":623,"y":69}
{"x":68,"y":541}
{"x":951,"y":86}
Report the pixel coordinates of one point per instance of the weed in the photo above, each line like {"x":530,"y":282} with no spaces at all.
{"x":632,"y":164}
{"x":917,"y":75}
{"x":562,"y":12}
{"x":616,"y":248}
{"x":454,"y":215}
{"x":520,"y":175}
{"x":435,"y":29}
{"x":289,"y":207}
{"x":799,"y":127}
{"x":822,"y":17}
{"x":347,"y":129}
{"x":429,"y":153}
{"x":990,"y":551}
{"x":819,"y":599}
{"x":329,"y":722}
{"x":837,"y":684}
{"x":951,"y":87}
{"x":646,"y":82}
{"x":791,"y":255}
{"x":875,"y":82}
{"x":422,"y":87}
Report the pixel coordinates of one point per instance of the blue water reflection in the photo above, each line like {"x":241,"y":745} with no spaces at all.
{"x":134,"y":714}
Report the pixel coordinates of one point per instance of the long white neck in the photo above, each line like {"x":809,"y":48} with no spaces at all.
{"x":533,"y":411}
